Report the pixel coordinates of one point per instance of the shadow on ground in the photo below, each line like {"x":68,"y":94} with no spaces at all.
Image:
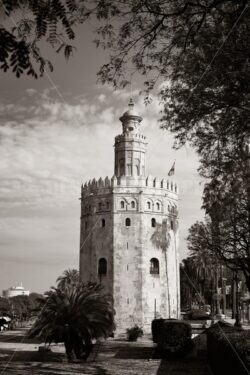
{"x":134,"y":352}
{"x":17,"y":337}
{"x":49,"y":369}
{"x":29,"y":356}
{"x":194,"y":366}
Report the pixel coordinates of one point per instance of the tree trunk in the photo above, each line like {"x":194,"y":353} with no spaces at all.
{"x":247,"y":279}
{"x":69,"y":349}
{"x":88,"y":345}
{"x":168,"y":293}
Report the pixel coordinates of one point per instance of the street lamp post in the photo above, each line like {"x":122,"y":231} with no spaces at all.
{"x":237,"y":313}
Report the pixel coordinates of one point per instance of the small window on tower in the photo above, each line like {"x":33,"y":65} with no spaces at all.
{"x":153,"y":222}
{"x":154,"y":266}
{"x":148,"y":205}
{"x":172,"y":224}
{"x":133,"y":204}
{"x":128,"y":222}
{"x":137,"y":166}
{"x":122,"y":204}
{"x":158,"y":206}
{"x":129,"y":169}
{"x":107,"y":205}
{"x":102,"y":267}
{"x":99,"y":206}
{"x":103,"y":222}
{"x":86,"y":225}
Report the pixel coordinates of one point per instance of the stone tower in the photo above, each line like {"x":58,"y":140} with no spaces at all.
{"x":129,"y":234}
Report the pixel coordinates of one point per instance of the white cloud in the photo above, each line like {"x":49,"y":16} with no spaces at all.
{"x":48,"y":148}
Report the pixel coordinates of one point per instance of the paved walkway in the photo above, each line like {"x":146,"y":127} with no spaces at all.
{"x":19,"y":356}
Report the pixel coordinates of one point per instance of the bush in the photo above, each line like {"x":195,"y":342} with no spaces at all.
{"x":228,"y":349}
{"x":199,"y":314}
{"x":156,"y":327}
{"x":134,"y":333}
{"x":172,"y":336}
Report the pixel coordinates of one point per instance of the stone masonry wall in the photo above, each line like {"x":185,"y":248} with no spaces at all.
{"x":138,"y":295}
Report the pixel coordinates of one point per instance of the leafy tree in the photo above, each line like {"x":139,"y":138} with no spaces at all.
{"x":34,"y":302}
{"x":199,"y":50}
{"x":188,"y":283}
{"x":176,"y":42}
{"x":225,"y":234}
{"x":20,"y":306}
{"x":74,"y":314}
{"x":31,"y":23}
{"x":68,"y":278}
{"x":4,"y":306}
{"x":206,"y":262}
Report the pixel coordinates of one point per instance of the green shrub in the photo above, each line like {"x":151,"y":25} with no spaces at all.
{"x":172,"y":336}
{"x":156,"y":327}
{"x":228,"y":349}
{"x":134,"y":333}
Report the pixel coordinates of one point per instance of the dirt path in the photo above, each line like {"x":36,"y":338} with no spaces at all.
{"x":20,"y":356}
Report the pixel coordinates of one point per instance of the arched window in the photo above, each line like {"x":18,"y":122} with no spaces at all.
{"x":128,"y":222}
{"x":137,"y":166}
{"x":172,"y":224}
{"x":107,"y":205}
{"x":148,"y":205}
{"x":102,"y":267}
{"x":122,"y":204}
{"x":86,"y":225}
{"x":154,"y":266}
{"x":103,"y":222}
{"x":158,"y":206}
{"x":129,"y":169}
{"x":153,"y":222}
{"x":99,"y":206}
{"x":133,"y":204}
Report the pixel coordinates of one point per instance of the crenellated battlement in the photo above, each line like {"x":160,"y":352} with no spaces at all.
{"x":129,"y":135}
{"x":125,"y":181}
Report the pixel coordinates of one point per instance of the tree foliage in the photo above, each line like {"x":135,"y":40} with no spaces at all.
{"x":68,"y":278}
{"x":4,"y":306}
{"x":225,"y":235}
{"x":74,"y":313}
{"x":199,"y":50}
{"x":26,"y":23}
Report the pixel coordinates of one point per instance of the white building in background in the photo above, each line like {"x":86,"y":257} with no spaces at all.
{"x":15,"y":291}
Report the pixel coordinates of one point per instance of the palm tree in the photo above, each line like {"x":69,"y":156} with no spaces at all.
{"x":74,"y":315}
{"x":68,"y":278}
{"x":204,"y":268}
{"x":161,"y":239}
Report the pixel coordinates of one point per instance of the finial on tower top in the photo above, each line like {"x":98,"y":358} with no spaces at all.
{"x":131,"y":104}
{"x":130,"y":114}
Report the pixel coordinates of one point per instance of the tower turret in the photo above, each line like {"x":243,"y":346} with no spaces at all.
{"x":130,"y":146}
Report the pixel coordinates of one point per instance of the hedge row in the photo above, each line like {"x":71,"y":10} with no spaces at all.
{"x":173,"y":337}
{"x":228,"y":349}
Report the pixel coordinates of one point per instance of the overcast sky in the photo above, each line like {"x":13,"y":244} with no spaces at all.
{"x":56,"y":133}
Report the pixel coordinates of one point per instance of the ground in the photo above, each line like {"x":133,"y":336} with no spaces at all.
{"x":20,"y":356}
